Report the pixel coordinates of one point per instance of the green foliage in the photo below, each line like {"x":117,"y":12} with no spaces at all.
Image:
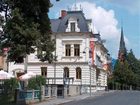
{"x":36,"y":82}
{"x":1,"y":24}
{"x":133,"y":62}
{"x":8,"y":93}
{"x":1,"y":20}
{"x":26,"y":29}
{"x":19,"y":37}
{"x":134,"y":65}
{"x":123,"y":74}
{"x":10,"y":85}
{"x":128,"y":72}
{"x":32,"y":84}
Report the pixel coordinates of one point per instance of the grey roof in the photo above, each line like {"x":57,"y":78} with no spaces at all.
{"x":60,"y":25}
{"x":55,"y":24}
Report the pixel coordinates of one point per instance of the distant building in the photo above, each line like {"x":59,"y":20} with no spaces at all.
{"x":82,"y":59}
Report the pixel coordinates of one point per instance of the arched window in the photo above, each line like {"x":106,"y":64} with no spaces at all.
{"x":66,"y":72}
{"x":78,"y":73}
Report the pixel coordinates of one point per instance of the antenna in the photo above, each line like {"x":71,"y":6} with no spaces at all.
{"x":75,"y":5}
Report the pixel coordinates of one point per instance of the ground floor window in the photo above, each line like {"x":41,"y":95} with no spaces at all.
{"x":66,"y":72}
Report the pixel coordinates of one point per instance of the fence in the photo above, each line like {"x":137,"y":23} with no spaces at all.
{"x":29,"y":95}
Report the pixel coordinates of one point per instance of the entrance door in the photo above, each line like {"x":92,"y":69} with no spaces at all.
{"x":60,"y":91}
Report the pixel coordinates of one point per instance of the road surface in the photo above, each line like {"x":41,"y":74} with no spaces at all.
{"x":116,"y":98}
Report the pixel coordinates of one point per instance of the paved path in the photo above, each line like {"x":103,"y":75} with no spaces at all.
{"x":116,"y":98}
{"x":58,"y":101}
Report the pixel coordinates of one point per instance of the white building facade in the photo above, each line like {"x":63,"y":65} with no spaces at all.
{"x":79,"y":68}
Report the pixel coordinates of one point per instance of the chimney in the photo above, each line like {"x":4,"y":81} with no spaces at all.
{"x":63,"y":13}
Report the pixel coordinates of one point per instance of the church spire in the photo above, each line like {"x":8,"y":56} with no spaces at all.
{"x":122,"y":43}
{"x":122,"y":48}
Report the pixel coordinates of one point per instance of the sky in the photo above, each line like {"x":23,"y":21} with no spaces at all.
{"x":108,"y":17}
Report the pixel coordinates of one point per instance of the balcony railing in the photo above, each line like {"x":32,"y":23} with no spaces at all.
{"x":59,"y":80}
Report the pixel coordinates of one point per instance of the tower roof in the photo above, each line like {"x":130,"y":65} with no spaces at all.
{"x":122,"y":48}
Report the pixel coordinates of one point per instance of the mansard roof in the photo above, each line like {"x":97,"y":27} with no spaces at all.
{"x":60,"y":25}
{"x":55,"y":24}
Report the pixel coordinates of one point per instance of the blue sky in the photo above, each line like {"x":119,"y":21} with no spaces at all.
{"x":108,"y":16}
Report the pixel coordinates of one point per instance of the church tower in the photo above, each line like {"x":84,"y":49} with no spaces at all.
{"x":122,"y":49}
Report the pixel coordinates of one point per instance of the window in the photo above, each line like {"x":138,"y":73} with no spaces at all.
{"x":78,"y":73}
{"x":44,"y":71}
{"x":76,"y":50}
{"x":66,"y":72}
{"x":68,"y":50}
{"x":72,"y":27}
{"x":97,"y":74}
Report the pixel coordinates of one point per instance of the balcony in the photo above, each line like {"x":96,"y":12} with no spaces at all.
{"x":59,"y":80}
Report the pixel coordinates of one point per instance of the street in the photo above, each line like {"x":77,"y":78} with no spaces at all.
{"x":116,"y":98}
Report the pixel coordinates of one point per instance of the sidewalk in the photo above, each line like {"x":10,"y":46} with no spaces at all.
{"x":57,"y":101}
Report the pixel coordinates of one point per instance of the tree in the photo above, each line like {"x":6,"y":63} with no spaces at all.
{"x":134,"y":65}
{"x":1,"y":32}
{"x":123,"y":74}
{"x":128,"y":72}
{"x":26,"y":29}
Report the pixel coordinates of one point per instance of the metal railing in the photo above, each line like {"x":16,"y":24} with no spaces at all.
{"x":59,"y":80}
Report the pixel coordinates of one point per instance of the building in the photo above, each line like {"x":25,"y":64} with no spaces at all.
{"x":122,"y":49}
{"x":82,"y":59}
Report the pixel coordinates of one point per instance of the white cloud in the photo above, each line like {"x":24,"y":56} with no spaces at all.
{"x":103,"y":20}
{"x":105,"y":23}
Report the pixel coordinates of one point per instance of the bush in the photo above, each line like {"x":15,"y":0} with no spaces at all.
{"x":8,"y":91}
{"x":36,"y":82}
{"x":10,"y":85}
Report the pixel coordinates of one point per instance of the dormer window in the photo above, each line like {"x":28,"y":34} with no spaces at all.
{"x":72,"y":26}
